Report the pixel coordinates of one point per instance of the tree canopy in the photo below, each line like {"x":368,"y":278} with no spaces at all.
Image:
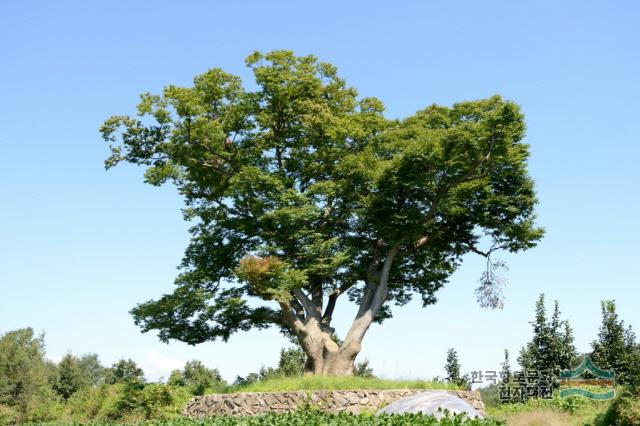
{"x":615,"y":347}
{"x":24,"y":374}
{"x":301,"y":192}
{"x":552,"y":345}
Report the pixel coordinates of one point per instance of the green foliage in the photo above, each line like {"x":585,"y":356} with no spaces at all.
{"x":73,"y":374}
{"x":93,"y":403}
{"x":8,"y":415}
{"x":452,"y":367}
{"x":552,"y":346}
{"x":92,"y":369}
{"x":615,"y":348}
{"x":126,"y":402}
{"x":124,"y":371}
{"x":317,"y":418}
{"x":24,"y":377}
{"x":291,"y":362}
{"x":581,"y":410}
{"x":490,"y":395}
{"x":299,"y":190}
{"x":198,"y":378}
{"x":144,"y":401}
{"x":22,"y":368}
{"x":625,"y":411}
{"x":362,"y":369}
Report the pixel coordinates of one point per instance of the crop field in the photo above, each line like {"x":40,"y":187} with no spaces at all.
{"x":313,"y":418}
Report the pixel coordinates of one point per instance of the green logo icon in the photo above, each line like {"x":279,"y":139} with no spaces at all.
{"x":587,"y":374}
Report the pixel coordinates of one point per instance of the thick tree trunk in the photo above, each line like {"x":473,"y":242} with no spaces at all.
{"x":324,"y":356}
{"x":304,"y":317}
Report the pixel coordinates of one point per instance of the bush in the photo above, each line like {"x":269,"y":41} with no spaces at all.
{"x":625,"y":411}
{"x":138,"y":401}
{"x":124,"y":371}
{"x":44,"y":406}
{"x":126,"y":402}
{"x":291,"y":362}
{"x":8,"y":415}
{"x":197,"y":378}
{"x":490,"y":395}
{"x":362,"y":369}
{"x":93,"y":403}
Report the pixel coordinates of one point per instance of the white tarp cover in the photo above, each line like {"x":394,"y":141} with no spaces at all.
{"x":432,"y":403}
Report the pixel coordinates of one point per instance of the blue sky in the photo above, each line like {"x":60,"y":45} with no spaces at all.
{"x":80,"y":246}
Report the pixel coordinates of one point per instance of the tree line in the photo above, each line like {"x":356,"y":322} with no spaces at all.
{"x":552,"y":348}
{"x":81,"y":388}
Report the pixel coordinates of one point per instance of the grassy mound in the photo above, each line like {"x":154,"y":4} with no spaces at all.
{"x":311,"y":383}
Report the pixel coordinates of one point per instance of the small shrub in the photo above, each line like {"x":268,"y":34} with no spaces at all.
{"x":362,"y":369}
{"x":490,"y":395}
{"x":8,"y":415}
{"x":625,"y":411}
{"x":198,"y":378}
{"x":93,"y":403}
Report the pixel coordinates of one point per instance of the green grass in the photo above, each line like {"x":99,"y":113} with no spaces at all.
{"x":311,"y":383}
{"x":573,"y":410}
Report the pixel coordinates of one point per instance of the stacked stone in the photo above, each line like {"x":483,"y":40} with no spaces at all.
{"x":254,"y":403}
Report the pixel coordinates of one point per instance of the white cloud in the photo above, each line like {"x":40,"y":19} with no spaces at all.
{"x":156,"y":365}
{"x":54,"y":359}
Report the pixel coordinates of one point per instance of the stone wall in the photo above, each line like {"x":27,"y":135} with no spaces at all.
{"x":252,"y":403}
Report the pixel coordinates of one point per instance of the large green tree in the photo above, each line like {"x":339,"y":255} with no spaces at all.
{"x":301,"y":193}
{"x":615,"y":348}
{"x":74,"y":373}
{"x":24,"y":373}
{"x":552,"y":346}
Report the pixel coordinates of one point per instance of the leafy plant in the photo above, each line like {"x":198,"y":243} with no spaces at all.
{"x":197,"y":377}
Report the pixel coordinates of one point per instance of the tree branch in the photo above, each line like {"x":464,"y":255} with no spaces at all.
{"x":290,"y":318}
{"x":331,"y":304}
{"x":371,"y":308}
{"x":481,"y":253}
{"x":440,"y":193}
{"x":305,"y":302}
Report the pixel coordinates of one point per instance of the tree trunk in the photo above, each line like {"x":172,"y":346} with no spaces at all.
{"x":305,"y":319}
{"x":324,"y":356}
